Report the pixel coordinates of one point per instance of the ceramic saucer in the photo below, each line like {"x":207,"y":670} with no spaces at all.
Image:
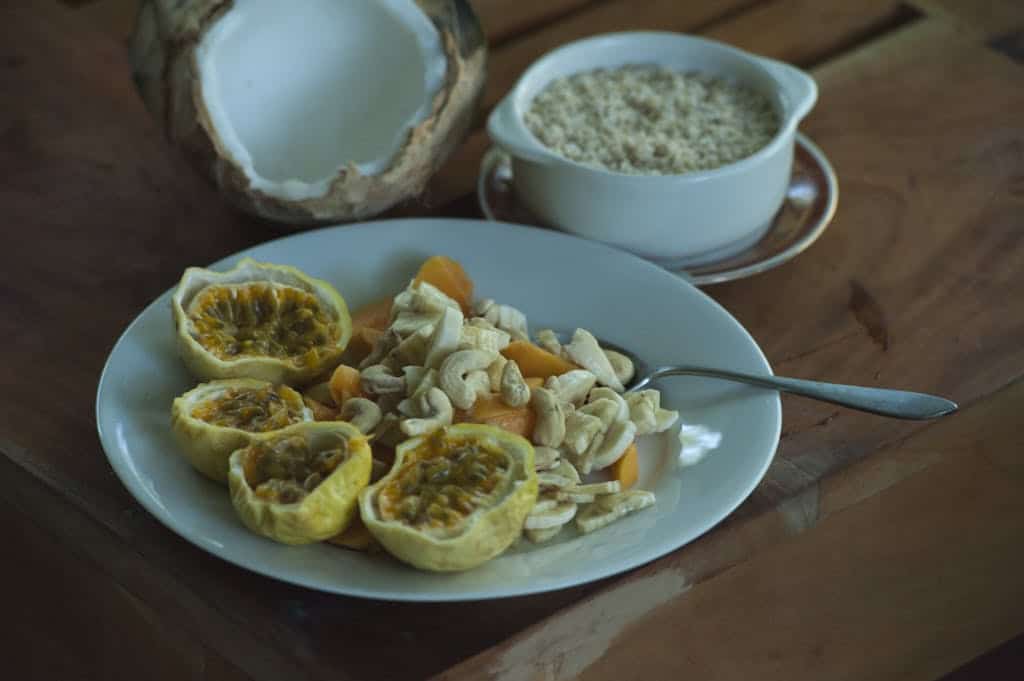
{"x":810,"y":204}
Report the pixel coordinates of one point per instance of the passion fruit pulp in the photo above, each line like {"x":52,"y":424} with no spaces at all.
{"x":300,"y":486}
{"x":214,"y":419}
{"x":258,"y":320}
{"x":453,"y":499}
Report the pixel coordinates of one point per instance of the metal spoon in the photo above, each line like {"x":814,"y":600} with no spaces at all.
{"x":885,"y":402}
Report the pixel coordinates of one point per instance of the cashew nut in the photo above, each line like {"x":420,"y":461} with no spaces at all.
{"x":494,"y":372}
{"x":556,"y":517}
{"x":598,"y":489}
{"x":417,"y":306}
{"x":413,"y":348}
{"x":665,"y":419}
{"x":584,"y":351}
{"x":514,"y":391}
{"x":574,"y":495}
{"x":378,"y":380}
{"x":420,"y":298}
{"x":479,"y":338}
{"x":445,"y":338}
{"x":361,"y":413}
{"x":453,"y":374}
{"x":613,"y":445}
{"x":567,"y":470}
{"x":384,"y":344}
{"x":580,"y":430}
{"x":479,"y":382}
{"x":480,"y":322}
{"x":646,"y":412}
{"x":545,"y":458}
{"x":610,"y":507}
{"x":548,"y":480}
{"x":408,"y":323}
{"x":415,"y":375}
{"x":435,"y":412}
{"x":621,"y":365}
{"x":606,"y":410}
{"x":549,"y":430}
{"x":609,"y":394}
{"x":541,"y":536}
{"x":548,"y":339}
{"x":504,"y":317}
{"x":572,"y":386}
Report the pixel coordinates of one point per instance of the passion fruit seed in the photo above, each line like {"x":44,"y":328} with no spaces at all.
{"x":256,"y":410}
{"x":286,"y":470}
{"x":443,"y":483}
{"x":261,"y":319}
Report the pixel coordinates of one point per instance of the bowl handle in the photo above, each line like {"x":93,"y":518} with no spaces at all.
{"x":509,"y":133}
{"x":798,"y":85}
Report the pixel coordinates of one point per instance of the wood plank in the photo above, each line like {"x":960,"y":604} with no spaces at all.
{"x":906,"y":584}
{"x":762,"y":28}
{"x":510,"y":60}
{"x":950,"y":206}
{"x":502,"y":19}
{"x":94,"y":178}
{"x":99,"y":632}
{"x":114,"y":17}
{"x":989,"y":18}
{"x":838,"y":27}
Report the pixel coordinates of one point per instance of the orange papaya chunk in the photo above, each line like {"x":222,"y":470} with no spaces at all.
{"x":355,"y":537}
{"x":361,"y":344}
{"x":492,"y":411}
{"x":627,"y":468}
{"x":447,"y":275}
{"x":321,"y":411}
{"x":344,"y":384}
{"x":536,"y":362}
{"x":376,"y":315}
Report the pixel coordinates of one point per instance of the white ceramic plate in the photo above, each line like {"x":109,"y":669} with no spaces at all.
{"x":558,"y":280}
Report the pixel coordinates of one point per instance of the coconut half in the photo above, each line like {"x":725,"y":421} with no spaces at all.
{"x":312,"y":111}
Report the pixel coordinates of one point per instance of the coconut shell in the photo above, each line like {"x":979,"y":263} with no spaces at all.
{"x":165,"y":69}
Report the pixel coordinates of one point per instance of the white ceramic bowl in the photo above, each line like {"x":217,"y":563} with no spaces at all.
{"x":673,"y":219}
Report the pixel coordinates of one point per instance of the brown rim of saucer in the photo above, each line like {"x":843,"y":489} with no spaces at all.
{"x":810,"y":203}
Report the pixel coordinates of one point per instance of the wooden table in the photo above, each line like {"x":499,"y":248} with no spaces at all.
{"x":874,"y":549}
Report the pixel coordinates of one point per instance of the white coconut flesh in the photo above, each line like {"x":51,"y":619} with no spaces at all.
{"x":297,"y":91}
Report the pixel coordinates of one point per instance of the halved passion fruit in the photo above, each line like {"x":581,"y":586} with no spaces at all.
{"x":216,"y":418}
{"x":454,"y":498}
{"x":301,"y":485}
{"x":269,"y":322}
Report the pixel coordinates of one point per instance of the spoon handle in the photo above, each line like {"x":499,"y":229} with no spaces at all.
{"x":897,"y":403}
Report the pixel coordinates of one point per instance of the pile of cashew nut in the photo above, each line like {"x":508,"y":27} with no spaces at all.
{"x":433,"y":359}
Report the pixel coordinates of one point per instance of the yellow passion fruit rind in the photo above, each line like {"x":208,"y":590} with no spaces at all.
{"x":453,"y":499}
{"x":257,"y":320}
{"x":302,"y":485}
{"x":216,"y":418}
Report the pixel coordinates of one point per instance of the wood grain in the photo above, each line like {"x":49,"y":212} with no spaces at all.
{"x":906,"y":584}
{"x":102,"y":631}
{"x":929,"y":226}
{"x":950,"y":207}
{"x":500,"y":19}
